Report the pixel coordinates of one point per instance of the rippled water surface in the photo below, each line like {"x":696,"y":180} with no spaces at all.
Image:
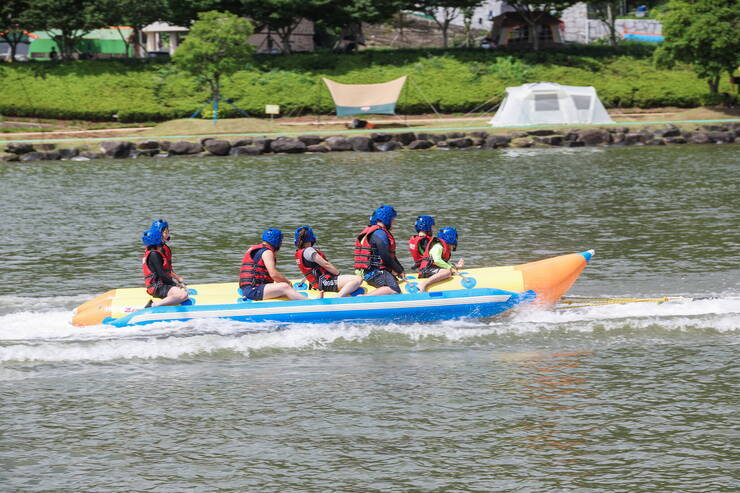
{"x":636,"y":397}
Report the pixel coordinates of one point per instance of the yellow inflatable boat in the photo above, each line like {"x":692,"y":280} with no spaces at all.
{"x":474,"y":293}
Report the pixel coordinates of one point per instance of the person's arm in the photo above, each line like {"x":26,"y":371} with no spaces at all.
{"x":382,"y":245}
{"x":174,"y":274}
{"x":436,"y":253}
{"x":269,"y":259}
{"x":156,"y":265}
{"x":177,"y":277}
{"x":325,"y":264}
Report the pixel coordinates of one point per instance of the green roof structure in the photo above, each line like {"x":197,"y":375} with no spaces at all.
{"x":107,"y":42}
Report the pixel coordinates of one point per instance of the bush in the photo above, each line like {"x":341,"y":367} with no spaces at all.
{"x":454,"y":80}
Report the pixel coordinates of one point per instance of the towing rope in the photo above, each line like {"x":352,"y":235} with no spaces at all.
{"x":584,"y":301}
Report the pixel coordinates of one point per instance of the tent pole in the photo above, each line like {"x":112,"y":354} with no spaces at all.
{"x":480,"y":105}
{"x":318,"y":103}
{"x":238,"y":108}
{"x":426,"y":100}
{"x":491,"y":108}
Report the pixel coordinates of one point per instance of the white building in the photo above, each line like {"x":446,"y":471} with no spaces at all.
{"x":578,"y":27}
{"x":164,"y":38}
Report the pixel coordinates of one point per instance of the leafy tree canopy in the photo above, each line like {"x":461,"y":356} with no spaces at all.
{"x":67,"y":21}
{"x":703,"y":33}
{"x":14,"y":20}
{"x":215,"y":47}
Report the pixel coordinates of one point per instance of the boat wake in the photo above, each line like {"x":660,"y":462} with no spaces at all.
{"x":36,"y":330}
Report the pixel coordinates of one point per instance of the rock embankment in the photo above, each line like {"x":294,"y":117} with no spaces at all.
{"x":382,"y":142}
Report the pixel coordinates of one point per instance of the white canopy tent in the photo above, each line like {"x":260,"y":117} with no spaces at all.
{"x":543,"y":103}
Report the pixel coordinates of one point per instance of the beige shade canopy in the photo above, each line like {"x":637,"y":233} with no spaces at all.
{"x":352,"y":99}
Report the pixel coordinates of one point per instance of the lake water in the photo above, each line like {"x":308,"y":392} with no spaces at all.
{"x":635,"y":397}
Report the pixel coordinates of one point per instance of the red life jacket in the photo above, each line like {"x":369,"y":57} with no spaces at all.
{"x":149,"y":277}
{"x":311,"y":270}
{"x":417,"y":247}
{"x":364,"y":257}
{"x":427,"y":260}
{"x":165,"y":250}
{"x":255,"y":273}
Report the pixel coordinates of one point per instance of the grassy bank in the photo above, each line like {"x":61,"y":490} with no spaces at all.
{"x":452,"y":80}
{"x":195,"y":129}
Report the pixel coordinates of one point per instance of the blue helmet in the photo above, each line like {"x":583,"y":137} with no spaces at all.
{"x":152,"y":237}
{"x":448,"y":235}
{"x":307,"y":234}
{"x":424,"y":223}
{"x":160,"y":225}
{"x":274,"y":237}
{"x":384,"y":214}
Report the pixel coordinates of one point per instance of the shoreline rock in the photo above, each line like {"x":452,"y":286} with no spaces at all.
{"x":382,"y":142}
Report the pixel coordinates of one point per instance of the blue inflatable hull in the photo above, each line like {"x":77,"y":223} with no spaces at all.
{"x":420,"y":307}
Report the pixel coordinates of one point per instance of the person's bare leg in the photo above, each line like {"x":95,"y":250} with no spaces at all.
{"x":347,"y":284}
{"x":278,"y":289}
{"x":175,"y":296}
{"x":439,"y":276}
{"x":381,"y":291}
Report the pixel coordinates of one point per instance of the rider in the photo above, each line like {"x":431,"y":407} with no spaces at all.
{"x":418,"y":242}
{"x":163,"y":227}
{"x":375,"y":253}
{"x":434,"y":266}
{"x":259,"y":278}
{"x":319,"y":272}
{"x":159,"y":278}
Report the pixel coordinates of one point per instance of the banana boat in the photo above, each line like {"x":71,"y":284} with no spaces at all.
{"x":474,"y":293}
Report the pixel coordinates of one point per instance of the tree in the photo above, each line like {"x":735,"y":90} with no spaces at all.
{"x":606,"y":11}
{"x":135,"y":14}
{"x":444,"y":12}
{"x":281,"y":16}
{"x":532,"y":11}
{"x":347,"y":16}
{"x":704,"y":33}
{"x":215,"y":47}
{"x":467,"y":14}
{"x":14,"y":23}
{"x":184,"y":12}
{"x":66,"y":21}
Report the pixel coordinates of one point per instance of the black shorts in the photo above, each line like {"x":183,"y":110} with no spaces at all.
{"x":428,"y":272}
{"x":255,"y":293}
{"x":329,"y":282}
{"x":161,"y":289}
{"x":383,"y":278}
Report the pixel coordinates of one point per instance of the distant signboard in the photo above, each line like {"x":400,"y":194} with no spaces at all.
{"x":272,"y":109}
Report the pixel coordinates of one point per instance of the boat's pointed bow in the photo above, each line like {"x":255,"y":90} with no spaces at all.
{"x":551,"y":278}
{"x":588,"y":254}
{"x":94,"y":311}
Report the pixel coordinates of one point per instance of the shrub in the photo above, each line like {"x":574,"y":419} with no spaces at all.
{"x":454,"y":80}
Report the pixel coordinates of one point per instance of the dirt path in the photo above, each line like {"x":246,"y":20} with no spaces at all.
{"x":82,"y":134}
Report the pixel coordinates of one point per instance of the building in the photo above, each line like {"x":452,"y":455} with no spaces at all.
{"x":162,"y":38}
{"x":510,"y":29}
{"x":580,"y":29}
{"x":158,"y":39}
{"x":100,"y":43}
{"x":577,"y":27}
{"x":21,"y":49}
